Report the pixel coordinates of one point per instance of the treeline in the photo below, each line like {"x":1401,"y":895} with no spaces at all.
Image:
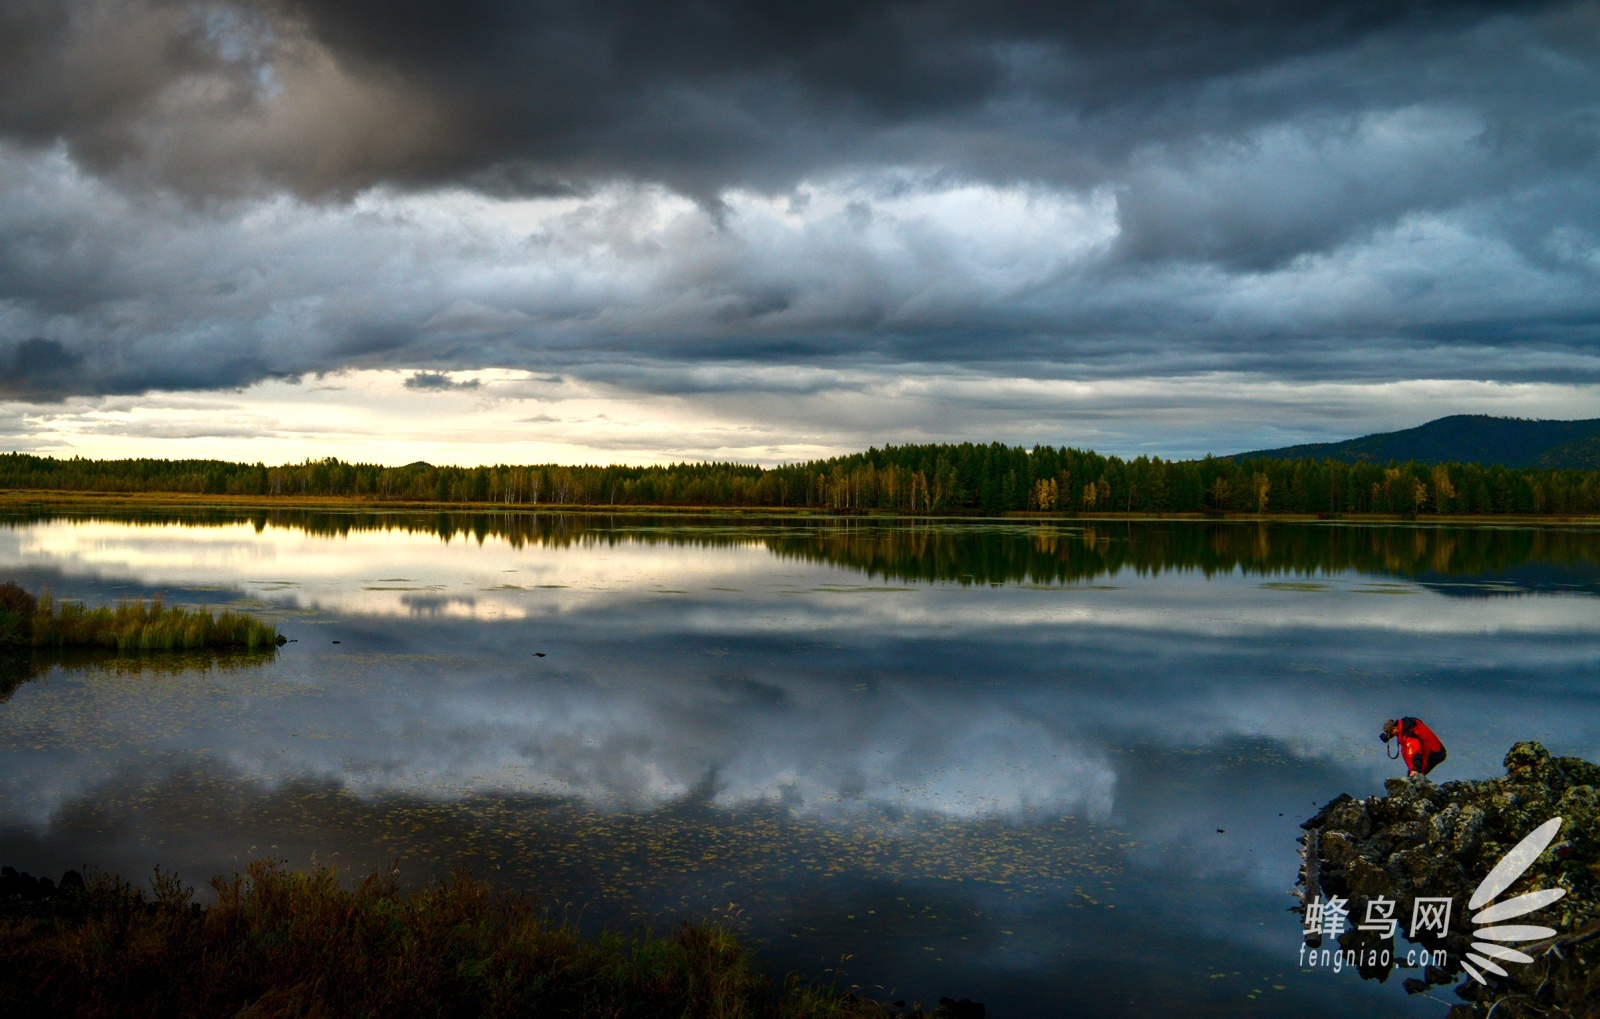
{"x":966,"y":478}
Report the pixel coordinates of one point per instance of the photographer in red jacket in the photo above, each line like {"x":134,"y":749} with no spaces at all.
{"x":1420,"y":748}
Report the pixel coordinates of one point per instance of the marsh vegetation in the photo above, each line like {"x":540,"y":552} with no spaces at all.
{"x":43,"y":622}
{"x":278,"y":942}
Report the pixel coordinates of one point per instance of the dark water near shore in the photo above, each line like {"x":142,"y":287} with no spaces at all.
{"x":987,"y":759}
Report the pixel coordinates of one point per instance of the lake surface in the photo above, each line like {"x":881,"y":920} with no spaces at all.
{"x":985,"y":759}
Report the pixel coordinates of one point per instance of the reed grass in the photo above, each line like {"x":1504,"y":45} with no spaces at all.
{"x":280,"y":943}
{"x":128,"y":626}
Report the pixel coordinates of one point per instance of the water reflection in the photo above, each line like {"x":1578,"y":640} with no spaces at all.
{"x":19,"y":666}
{"x":1488,"y":558}
{"x":989,"y":760}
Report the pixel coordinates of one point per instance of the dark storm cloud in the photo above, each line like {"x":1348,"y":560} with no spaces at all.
{"x":710,"y":95}
{"x":207,"y":98}
{"x":200,"y":195}
{"x":543,"y":97}
{"x":437,"y":381}
{"x":38,"y":366}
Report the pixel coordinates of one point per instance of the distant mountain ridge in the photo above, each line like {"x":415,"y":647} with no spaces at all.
{"x":1465,"y":438}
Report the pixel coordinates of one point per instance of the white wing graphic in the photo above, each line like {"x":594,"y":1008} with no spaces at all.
{"x":1502,"y":952}
{"x":1515,"y":862}
{"x":1504,"y":875}
{"x":1519,"y":905}
{"x":1514,"y":933}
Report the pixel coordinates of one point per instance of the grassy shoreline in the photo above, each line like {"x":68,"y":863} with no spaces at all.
{"x":44,"y":622}
{"x":59,"y":499}
{"x":302,"y":943}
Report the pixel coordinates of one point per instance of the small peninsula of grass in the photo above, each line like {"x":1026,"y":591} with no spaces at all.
{"x":287,"y":943}
{"x":44,"y":622}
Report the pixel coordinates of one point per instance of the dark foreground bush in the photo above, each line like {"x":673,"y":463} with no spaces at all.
{"x":17,"y":608}
{"x":279,"y":943}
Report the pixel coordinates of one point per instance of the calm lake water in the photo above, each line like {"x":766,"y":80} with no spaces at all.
{"x":987,"y":760}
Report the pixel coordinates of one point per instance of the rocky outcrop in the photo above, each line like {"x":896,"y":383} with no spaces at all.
{"x":1434,"y":841}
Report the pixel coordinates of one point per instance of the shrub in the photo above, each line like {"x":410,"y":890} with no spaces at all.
{"x":17,"y":608}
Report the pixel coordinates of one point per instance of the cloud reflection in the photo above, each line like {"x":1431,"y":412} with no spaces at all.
{"x":676,"y":667}
{"x":763,"y":714}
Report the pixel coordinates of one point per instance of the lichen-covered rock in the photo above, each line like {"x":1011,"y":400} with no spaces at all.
{"x":1468,"y":831}
{"x":1427,"y":840}
{"x":1350,"y":816}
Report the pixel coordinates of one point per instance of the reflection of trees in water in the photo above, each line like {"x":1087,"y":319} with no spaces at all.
{"x":19,"y":667}
{"x":1091,"y":551}
{"x":16,"y":668}
{"x":944,"y":550}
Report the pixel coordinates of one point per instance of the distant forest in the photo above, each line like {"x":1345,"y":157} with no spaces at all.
{"x":966,"y":478}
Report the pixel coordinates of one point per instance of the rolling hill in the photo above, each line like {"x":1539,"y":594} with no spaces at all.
{"x":1465,"y":438}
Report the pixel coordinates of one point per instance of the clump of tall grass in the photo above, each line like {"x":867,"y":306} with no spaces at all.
{"x":285,"y":943}
{"x":128,"y":626}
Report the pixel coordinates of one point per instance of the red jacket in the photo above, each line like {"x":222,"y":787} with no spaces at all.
{"x":1419,"y":747}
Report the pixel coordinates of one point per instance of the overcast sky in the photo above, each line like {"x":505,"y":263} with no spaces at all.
{"x":491,"y":230}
